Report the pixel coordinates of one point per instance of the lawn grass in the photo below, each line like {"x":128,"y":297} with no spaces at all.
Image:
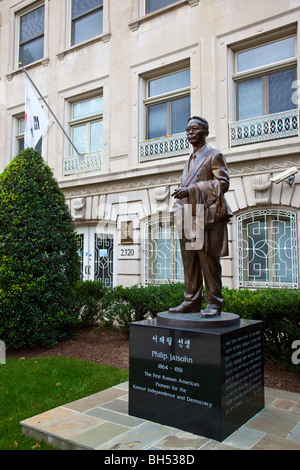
{"x":31,"y":386}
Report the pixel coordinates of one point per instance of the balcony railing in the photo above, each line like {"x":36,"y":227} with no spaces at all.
{"x":82,"y":163}
{"x":273,"y":126}
{"x":164,"y":147}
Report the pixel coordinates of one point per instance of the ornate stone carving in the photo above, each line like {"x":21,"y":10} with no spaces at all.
{"x":78,"y":208}
{"x":242,"y":168}
{"x":261,"y":185}
{"x":161,"y":196}
{"x":129,"y":185}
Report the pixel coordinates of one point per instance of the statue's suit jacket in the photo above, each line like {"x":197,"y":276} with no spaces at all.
{"x":207,"y":182}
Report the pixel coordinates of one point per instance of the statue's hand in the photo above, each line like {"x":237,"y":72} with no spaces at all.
{"x":180,"y":193}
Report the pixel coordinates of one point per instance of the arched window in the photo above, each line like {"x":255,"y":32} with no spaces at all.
{"x":267,"y":249}
{"x":162,"y":251}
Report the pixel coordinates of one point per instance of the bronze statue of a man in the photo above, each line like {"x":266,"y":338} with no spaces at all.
{"x":204,"y":181}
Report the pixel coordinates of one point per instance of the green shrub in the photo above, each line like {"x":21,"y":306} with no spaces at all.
{"x":136,"y":303}
{"x":90,"y":299}
{"x":279,"y":309}
{"x":39,"y":263}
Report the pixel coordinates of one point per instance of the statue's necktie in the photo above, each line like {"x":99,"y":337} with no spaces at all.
{"x":192,"y":161}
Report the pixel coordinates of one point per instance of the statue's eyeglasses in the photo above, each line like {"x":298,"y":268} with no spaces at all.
{"x":194,"y":129}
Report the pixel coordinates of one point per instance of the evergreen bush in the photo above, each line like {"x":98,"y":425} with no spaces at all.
{"x":90,"y":300}
{"x":137,"y":303}
{"x":279,"y":309}
{"x":39,"y":263}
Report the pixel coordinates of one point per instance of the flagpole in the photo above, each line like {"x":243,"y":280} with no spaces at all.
{"x":45,"y":102}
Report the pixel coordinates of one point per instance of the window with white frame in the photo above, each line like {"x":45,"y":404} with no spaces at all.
{"x":87,"y":20}
{"x":153,"y":5}
{"x":264,"y":79}
{"x":87,"y":125}
{"x":267,"y":249}
{"x":20,"y":134}
{"x":166,"y":112}
{"x":167,"y":104}
{"x":162,"y":251}
{"x":20,"y":137}
{"x":31,"y":39}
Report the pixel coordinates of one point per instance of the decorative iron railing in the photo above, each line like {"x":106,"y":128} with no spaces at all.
{"x":82,"y":163}
{"x":272,"y":126}
{"x":164,"y":147}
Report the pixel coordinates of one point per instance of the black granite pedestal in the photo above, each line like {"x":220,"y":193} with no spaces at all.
{"x":207,"y":380}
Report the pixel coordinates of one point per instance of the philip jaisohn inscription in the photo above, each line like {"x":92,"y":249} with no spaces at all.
{"x":171,"y":357}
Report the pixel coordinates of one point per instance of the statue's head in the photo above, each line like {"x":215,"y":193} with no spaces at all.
{"x":197,"y":130}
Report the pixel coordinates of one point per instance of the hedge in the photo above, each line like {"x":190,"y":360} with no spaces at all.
{"x":278,"y":309}
{"x":136,"y":303}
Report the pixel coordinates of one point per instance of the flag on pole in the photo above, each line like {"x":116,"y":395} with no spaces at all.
{"x":36,"y":120}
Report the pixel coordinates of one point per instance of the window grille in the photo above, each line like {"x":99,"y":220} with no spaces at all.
{"x":162,"y":251}
{"x":267,"y":249}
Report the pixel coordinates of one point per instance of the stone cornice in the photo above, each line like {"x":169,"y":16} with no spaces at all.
{"x":138,"y":181}
{"x":242,"y":169}
{"x":130,"y":184}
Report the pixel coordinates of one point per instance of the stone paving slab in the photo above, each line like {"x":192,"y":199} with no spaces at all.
{"x":101,"y":434}
{"x":101,"y":422}
{"x":295,"y":434}
{"x":272,"y":442}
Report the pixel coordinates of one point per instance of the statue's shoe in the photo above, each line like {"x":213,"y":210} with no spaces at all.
{"x":185,"y":309}
{"x":210,"y":312}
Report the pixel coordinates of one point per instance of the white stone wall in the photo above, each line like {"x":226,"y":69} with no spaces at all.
{"x":202,"y":34}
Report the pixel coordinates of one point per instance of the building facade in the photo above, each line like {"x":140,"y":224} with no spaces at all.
{"x":122,"y":77}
